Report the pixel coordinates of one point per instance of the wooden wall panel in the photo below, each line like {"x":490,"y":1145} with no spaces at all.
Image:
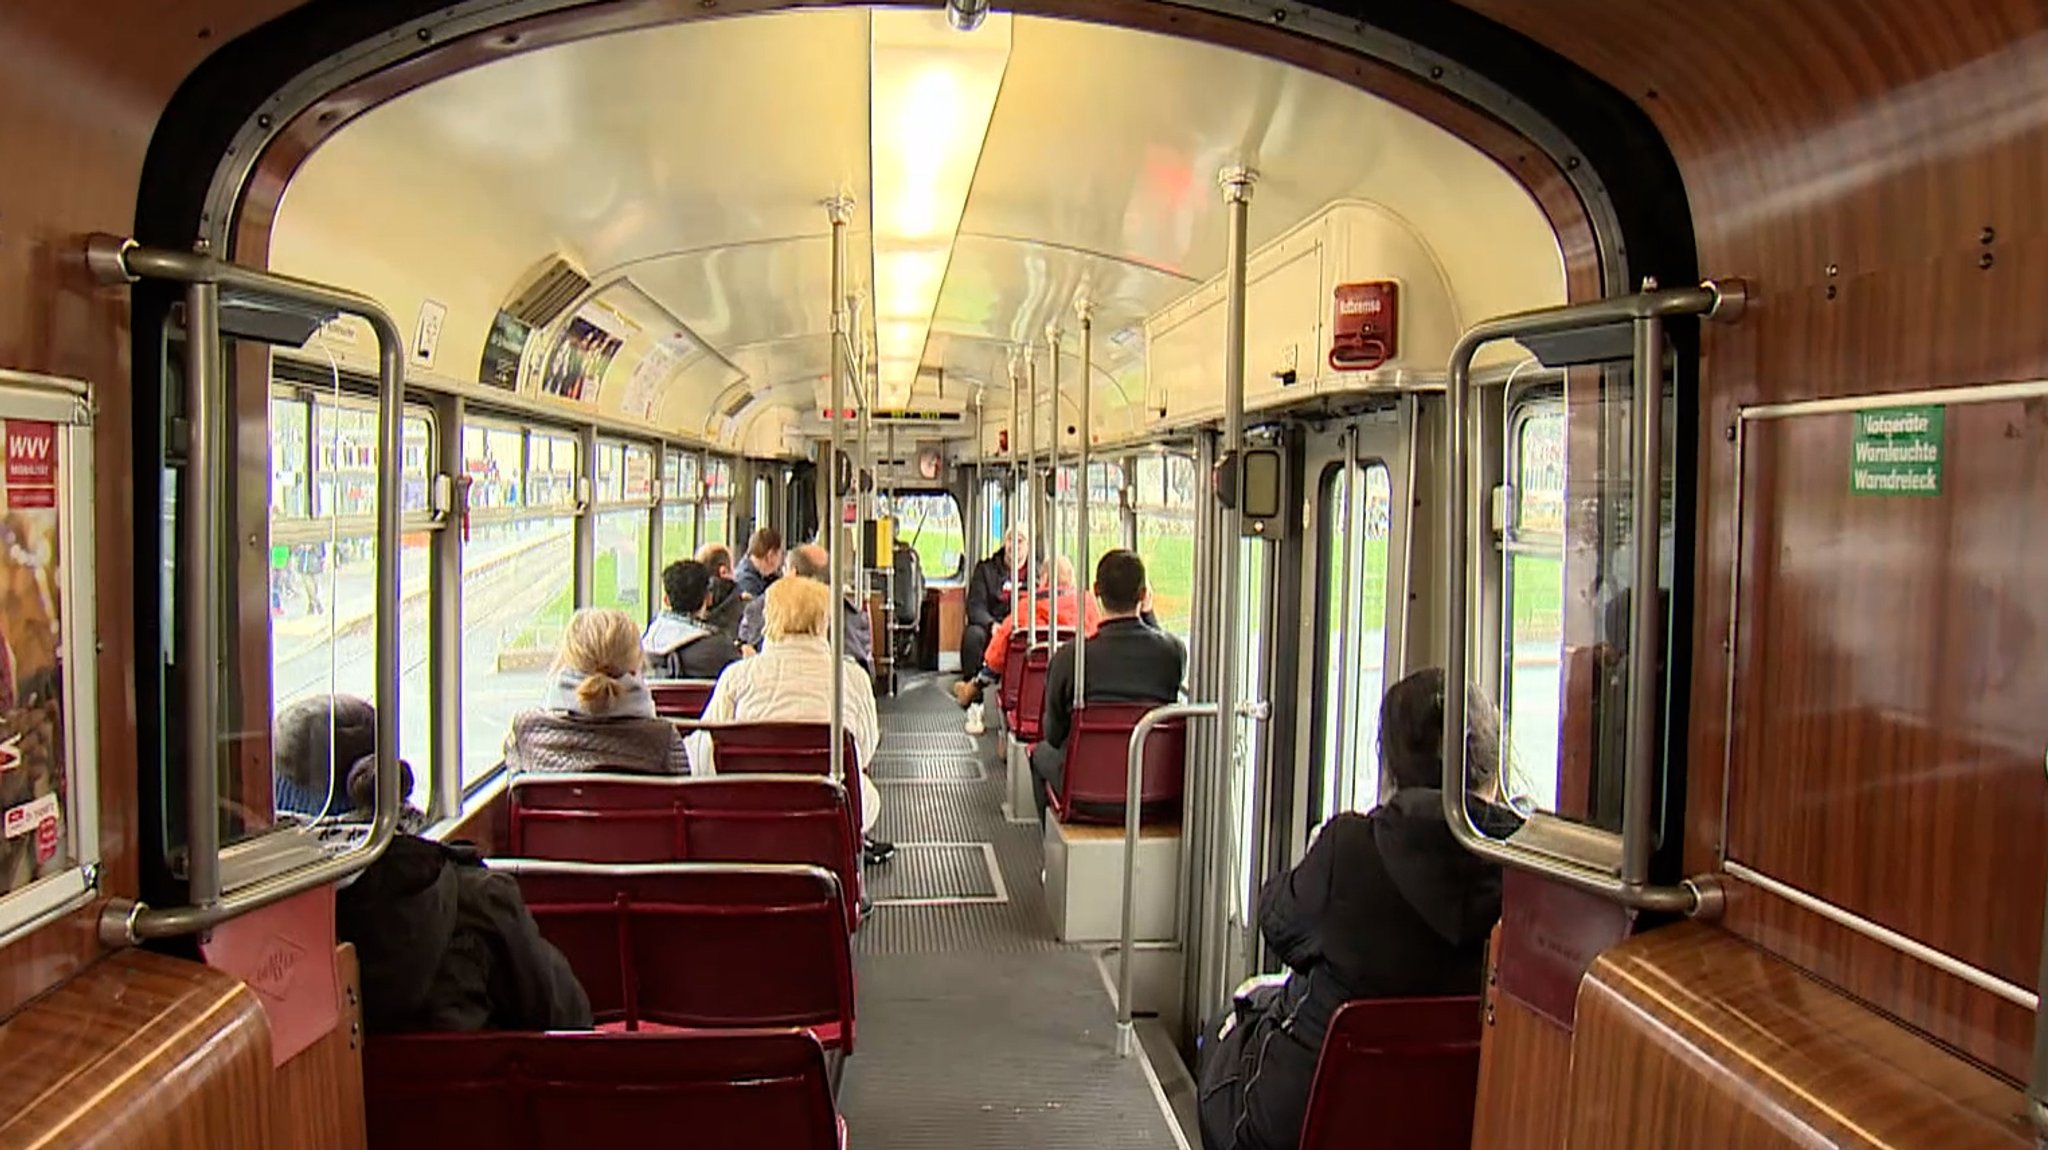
{"x":320,"y":1091}
{"x":1875,"y":171}
{"x":1525,"y":1065}
{"x":79,"y":97}
{"x":141,"y":1052}
{"x":1688,"y":1037}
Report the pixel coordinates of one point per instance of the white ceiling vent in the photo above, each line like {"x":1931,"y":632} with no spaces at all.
{"x":546,"y":291}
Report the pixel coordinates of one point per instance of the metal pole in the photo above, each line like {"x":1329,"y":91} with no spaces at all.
{"x":840,"y":210}
{"x":1015,"y":512}
{"x":1643,"y":687}
{"x":199,"y":572}
{"x":1236,"y":183}
{"x":1346,"y":705}
{"x":1081,"y":569}
{"x":1038,"y":532}
{"x":1052,"y":343}
{"x":1134,"y":770}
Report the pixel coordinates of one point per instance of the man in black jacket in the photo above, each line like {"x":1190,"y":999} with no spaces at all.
{"x":1385,"y":904}
{"x":682,"y":643}
{"x":1130,"y":660}
{"x":443,"y":943}
{"x":988,"y":598}
{"x":726,"y":603}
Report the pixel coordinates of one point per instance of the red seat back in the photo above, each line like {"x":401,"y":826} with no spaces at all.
{"x":1098,"y":766}
{"x":1012,"y":684}
{"x":702,"y":945}
{"x":729,"y":818}
{"x":681,"y":698}
{"x":1404,"y":1070}
{"x":1030,"y":721}
{"x":782,"y":749}
{"x":743,"y":1090}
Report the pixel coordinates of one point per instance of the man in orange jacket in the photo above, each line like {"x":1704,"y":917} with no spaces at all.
{"x":1051,"y":608}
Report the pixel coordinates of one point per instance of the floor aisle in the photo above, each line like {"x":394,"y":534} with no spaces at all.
{"x":976,"y":1028}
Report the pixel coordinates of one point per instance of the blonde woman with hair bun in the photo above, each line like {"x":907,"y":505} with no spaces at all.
{"x":597,"y":714}
{"x":790,"y":681}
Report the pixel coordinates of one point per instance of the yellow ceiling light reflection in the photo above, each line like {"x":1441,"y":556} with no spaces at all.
{"x":932,"y":93}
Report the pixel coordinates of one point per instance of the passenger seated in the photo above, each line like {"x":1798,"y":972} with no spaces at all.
{"x":813,"y":562}
{"x":598,"y":714}
{"x":1054,"y":606}
{"x":762,"y":565}
{"x":989,"y":592}
{"x":682,"y":642}
{"x":790,"y":681}
{"x":727,"y":603}
{"x":443,"y":944}
{"x":1385,"y":905}
{"x":1130,"y":660}
{"x":314,"y":734}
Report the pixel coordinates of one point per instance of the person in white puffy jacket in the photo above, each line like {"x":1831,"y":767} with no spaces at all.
{"x":790,"y":681}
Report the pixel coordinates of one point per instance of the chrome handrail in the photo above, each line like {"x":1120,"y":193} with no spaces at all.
{"x":1645,"y":313}
{"x":121,"y":261}
{"x":1134,"y":769}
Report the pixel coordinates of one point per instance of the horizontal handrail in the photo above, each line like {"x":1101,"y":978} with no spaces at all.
{"x":121,"y":261}
{"x":1645,"y":311}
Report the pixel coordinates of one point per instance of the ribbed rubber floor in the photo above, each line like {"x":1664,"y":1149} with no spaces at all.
{"x":977,"y":1029}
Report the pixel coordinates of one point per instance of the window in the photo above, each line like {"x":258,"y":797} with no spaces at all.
{"x":679,"y":495}
{"x":930,"y":522}
{"x":995,"y":510}
{"x":518,"y":579}
{"x":1254,"y":602}
{"x":1534,"y":590}
{"x":1105,"y":513}
{"x":625,"y":495}
{"x":1163,"y":493}
{"x":717,"y":501}
{"x":1355,"y":509}
{"x":323,"y":562}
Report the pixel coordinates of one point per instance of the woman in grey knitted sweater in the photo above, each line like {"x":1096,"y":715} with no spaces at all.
{"x":598,"y":714}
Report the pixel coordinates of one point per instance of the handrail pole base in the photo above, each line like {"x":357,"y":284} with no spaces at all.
{"x":1126,"y":1038}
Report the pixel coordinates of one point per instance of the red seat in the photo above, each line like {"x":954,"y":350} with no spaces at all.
{"x":1098,"y":766}
{"x":699,"y":945}
{"x":681,"y":698}
{"x":1009,"y":693}
{"x":738,"y":1090}
{"x":1030,"y":721}
{"x":1405,"y":1070}
{"x":783,"y":749}
{"x":729,"y":818}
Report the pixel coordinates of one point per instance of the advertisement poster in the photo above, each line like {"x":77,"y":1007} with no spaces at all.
{"x":502,"y":351}
{"x":32,"y":751}
{"x":660,"y":361}
{"x":582,"y":357}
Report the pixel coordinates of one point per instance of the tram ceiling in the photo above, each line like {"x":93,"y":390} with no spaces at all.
{"x":683,"y":167}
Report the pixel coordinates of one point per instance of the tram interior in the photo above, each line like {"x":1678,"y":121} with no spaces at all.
{"x":620,"y":254}
{"x":1358,"y":345}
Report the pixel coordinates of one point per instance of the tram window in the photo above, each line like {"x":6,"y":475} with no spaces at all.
{"x":625,"y":492}
{"x":1163,"y":494}
{"x":1356,"y":507}
{"x":1251,"y":615}
{"x":717,"y":501}
{"x":518,"y":580}
{"x":679,"y":495}
{"x":1105,"y":510}
{"x":323,"y":561}
{"x":931,"y":523}
{"x":995,"y":504}
{"x":1534,"y":590}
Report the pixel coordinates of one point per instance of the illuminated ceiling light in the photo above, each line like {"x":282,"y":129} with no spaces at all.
{"x":932,"y":94}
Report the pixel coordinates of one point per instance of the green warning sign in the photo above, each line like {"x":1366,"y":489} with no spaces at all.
{"x":280,"y":556}
{"x":1897,"y":451}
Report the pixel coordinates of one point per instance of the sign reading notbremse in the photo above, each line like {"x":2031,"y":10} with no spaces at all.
{"x":1896,"y":451}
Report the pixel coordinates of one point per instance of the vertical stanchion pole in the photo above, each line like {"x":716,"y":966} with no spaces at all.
{"x":199,"y":577}
{"x":840,"y":210}
{"x":1237,"y":184}
{"x":1082,"y":574}
{"x":1052,"y":344}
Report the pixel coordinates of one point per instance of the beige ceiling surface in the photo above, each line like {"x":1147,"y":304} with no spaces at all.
{"x":691,"y":160}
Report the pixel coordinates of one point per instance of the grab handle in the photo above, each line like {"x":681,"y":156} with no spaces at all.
{"x":121,"y":261}
{"x":1644,"y":313}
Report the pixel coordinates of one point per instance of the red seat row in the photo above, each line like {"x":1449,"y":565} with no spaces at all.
{"x":681,"y":698}
{"x":737,"y":1090}
{"x":699,"y":945}
{"x":622,"y":818}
